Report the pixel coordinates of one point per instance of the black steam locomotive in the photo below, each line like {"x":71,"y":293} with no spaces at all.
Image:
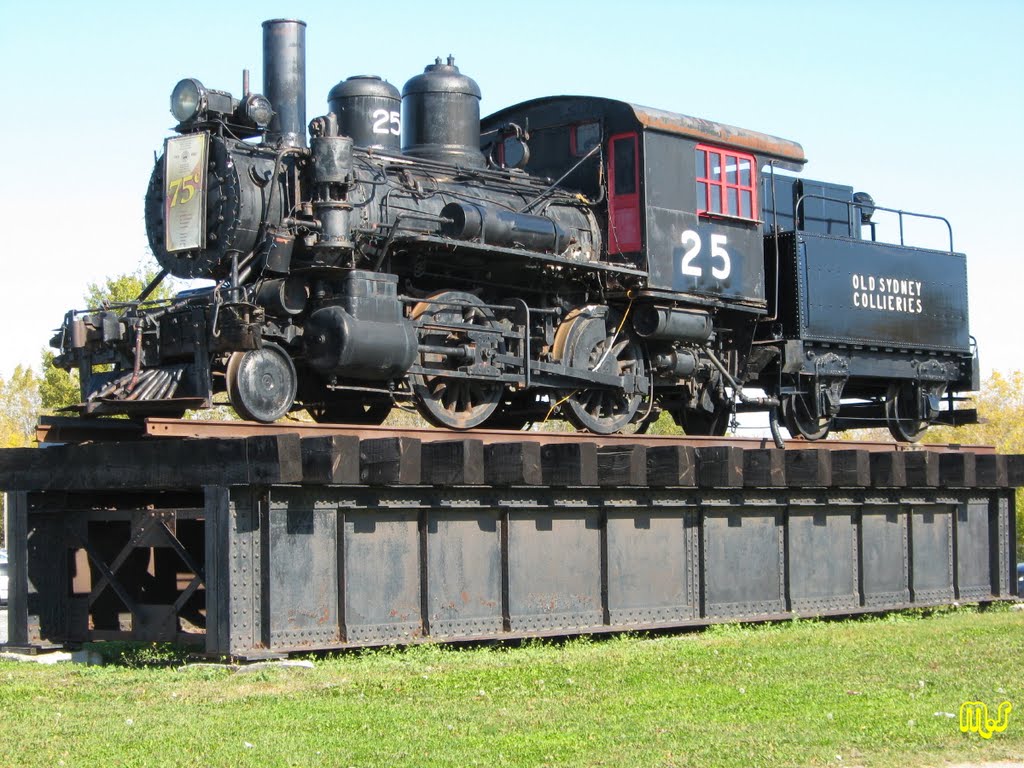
{"x":575,"y":256}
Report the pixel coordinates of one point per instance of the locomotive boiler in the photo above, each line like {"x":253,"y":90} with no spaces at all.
{"x":576,"y":257}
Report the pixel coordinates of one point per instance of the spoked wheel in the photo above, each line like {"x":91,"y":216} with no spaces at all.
{"x":899,"y":410}
{"x":589,"y":345}
{"x":261,"y":383}
{"x":355,"y":411}
{"x":447,"y":320}
{"x":797,"y":416}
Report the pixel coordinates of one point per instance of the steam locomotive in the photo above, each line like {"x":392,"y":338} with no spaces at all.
{"x":576,"y":257}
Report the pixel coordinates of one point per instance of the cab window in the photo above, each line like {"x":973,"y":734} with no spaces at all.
{"x":726,"y":183}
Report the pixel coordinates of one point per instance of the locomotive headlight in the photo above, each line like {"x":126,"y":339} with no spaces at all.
{"x":258,"y":110}
{"x":188,"y":99}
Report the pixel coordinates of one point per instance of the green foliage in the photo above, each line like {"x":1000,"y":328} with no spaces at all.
{"x":137,"y":655}
{"x":125,"y":288}
{"x":19,"y":407}
{"x":57,"y":388}
{"x":664,"y":425}
{"x":874,"y":691}
{"x":1000,"y":405}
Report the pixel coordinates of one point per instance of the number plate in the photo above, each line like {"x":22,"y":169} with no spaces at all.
{"x":185,"y":192}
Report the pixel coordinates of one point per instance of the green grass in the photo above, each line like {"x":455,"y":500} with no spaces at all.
{"x":860,"y":692}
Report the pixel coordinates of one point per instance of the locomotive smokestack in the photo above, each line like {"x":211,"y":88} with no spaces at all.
{"x":284,"y":79}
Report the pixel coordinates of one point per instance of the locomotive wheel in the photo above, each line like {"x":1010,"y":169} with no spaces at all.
{"x":695,"y":422}
{"x":800,"y":422}
{"x":446,"y":401}
{"x":372,"y":412}
{"x":899,"y":404}
{"x":261,"y":383}
{"x":588,"y":345}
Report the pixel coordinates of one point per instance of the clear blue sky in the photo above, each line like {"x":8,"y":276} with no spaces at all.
{"x":919,"y":103}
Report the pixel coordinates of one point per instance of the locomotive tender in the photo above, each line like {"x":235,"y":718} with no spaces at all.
{"x":583,"y":257}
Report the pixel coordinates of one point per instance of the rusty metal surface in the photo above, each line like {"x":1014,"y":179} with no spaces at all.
{"x":284,"y":568}
{"x":707,"y":130}
{"x":159,"y":427}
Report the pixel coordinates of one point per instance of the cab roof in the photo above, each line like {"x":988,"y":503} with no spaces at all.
{"x":790,"y":153}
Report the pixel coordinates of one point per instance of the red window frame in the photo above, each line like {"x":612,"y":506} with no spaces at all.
{"x":724,"y":194}
{"x":624,"y":227}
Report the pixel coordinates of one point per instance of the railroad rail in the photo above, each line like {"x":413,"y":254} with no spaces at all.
{"x":79,"y":430}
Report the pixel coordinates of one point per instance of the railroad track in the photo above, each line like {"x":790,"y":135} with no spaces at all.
{"x":57,"y":429}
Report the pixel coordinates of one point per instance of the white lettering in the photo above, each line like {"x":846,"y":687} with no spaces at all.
{"x":887,"y":294}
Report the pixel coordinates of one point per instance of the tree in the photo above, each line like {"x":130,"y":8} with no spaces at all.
{"x":125,"y":288}
{"x":1000,"y":404}
{"x":57,"y":388}
{"x":19,"y":407}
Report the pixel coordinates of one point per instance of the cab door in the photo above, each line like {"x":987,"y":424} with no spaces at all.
{"x":624,"y":220}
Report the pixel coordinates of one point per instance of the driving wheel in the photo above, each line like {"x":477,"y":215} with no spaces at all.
{"x":446,"y":394}
{"x":586,"y":344}
{"x":699,"y":422}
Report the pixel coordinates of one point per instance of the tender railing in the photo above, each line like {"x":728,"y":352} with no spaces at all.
{"x":863,"y":206}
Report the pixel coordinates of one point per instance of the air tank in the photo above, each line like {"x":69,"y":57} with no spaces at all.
{"x":441,"y":116}
{"x":658,"y":323}
{"x":369,"y":111}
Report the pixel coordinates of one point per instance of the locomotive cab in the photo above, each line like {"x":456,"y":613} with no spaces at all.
{"x":680,"y":195}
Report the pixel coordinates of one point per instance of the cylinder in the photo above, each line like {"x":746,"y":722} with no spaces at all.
{"x":283,"y":297}
{"x":493,"y":226}
{"x":338,"y":344}
{"x":675,"y":362}
{"x":284,"y":80}
{"x":656,"y":323}
{"x":369,"y":111}
{"x":441,"y":116}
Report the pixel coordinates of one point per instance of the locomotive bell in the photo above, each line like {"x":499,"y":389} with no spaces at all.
{"x":441,"y":116}
{"x":368,"y":110}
